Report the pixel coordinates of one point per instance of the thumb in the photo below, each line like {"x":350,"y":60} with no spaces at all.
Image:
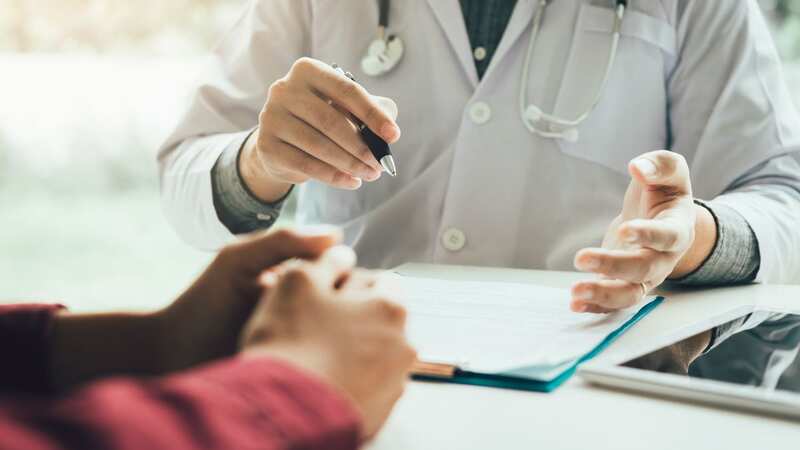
{"x":335,"y":264}
{"x":662,"y":171}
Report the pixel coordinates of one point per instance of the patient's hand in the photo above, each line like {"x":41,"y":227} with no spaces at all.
{"x":339,"y":325}
{"x":205,"y":322}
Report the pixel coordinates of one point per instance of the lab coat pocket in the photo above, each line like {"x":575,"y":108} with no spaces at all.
{"x":631,"y":117}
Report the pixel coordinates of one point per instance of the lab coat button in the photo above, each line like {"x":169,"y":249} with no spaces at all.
{"x":454,"y":239}
{"x":479,"y":53}
{"x":480,"y":113}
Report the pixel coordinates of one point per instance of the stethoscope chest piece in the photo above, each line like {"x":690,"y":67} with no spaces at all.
{"x":383,"y":55}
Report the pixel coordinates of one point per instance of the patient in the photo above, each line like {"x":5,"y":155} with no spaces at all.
{"x":281,"y":343}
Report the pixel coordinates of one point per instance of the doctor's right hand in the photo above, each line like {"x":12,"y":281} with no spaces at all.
{"x":304,"y":133}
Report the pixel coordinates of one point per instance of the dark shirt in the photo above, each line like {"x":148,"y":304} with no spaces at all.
{"x":486,"y":21}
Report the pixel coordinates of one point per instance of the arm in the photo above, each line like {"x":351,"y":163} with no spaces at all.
{"x":232,"y":404}
{"x":303,"y":131}
{"x":736,"y":138}
{"x":740,"y":133}
{"x":264,"y":43}
{"x":202,"y":325}
{"x":311,"y":317}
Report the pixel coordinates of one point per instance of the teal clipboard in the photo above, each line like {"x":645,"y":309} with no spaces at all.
{"x":517,"y":382}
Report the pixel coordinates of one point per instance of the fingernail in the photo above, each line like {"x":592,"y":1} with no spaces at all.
{"x":390,"y":132}
{"x":632,"y":237}
{"x":268,"y":279}
{"x":372,"y":175}
{"x":646,"y":167}
{"x":341,"y":255}
{"x":592,"y":263}
{"x":579,"y":307}
{"x":584,"y":295}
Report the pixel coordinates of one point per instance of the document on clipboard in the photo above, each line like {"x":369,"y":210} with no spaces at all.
{"x":504,"y":334}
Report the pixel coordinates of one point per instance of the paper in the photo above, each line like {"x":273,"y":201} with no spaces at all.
{"x":499,"y":327}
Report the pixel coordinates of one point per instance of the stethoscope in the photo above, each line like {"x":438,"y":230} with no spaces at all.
{"x":385,"y":53}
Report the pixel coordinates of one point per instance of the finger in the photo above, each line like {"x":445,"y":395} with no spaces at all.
{"x":662,"y":235}
{"x":260,"y":251}
{"x":600,"y":296}
{"x":336,"y":263}
{"x":306,"y":165}
{"x":299,"y":279}
{"x":304,"y":136}
{"x":350,"y":95}
{"x":388,"y":105}
{"x":332,"y":123}
{"x":388,"y":311}
{"x":664,"y":170}
{"x":361,"y":280}
{"x":635,"y":266}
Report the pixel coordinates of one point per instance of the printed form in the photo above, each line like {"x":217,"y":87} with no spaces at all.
{"x":500,"y":327}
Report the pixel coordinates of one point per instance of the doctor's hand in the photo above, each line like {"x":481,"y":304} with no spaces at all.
{"x":304,"y":133}
{"x":660,"y":233}
{"x":339,"y":324}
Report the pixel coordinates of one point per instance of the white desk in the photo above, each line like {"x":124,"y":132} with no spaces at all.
{"x":577,"y":416}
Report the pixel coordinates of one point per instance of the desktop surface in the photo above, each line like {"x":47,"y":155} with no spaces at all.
{"x":579,"y":416}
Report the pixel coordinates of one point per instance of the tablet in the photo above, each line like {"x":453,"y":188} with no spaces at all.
{"x":750,"y":365}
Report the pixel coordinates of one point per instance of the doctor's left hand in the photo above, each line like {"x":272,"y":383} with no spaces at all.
{"x":659,"y":234}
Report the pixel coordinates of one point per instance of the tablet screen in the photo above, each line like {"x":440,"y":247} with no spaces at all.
{"x":760,"y":349}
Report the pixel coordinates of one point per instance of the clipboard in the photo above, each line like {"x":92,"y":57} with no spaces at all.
{"x":449,"y":373}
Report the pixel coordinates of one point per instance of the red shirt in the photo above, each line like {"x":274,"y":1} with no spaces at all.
{"x":232,"y":404}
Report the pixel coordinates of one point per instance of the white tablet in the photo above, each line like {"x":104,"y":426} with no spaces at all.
{"x":756,"y":370}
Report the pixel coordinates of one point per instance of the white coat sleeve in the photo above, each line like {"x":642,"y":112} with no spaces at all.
{"x":261,"y":48}
{"x":732,"y":116}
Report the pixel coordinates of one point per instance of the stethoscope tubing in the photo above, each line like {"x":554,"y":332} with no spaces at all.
{"x":524,"y":106}
{"x":531,"y":115}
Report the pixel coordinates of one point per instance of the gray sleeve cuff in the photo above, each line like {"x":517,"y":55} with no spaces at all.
{"x":735,"y":258}
{"x":238,"y":208}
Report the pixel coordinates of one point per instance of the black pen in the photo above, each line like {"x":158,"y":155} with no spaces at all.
{"x":379,"y":148}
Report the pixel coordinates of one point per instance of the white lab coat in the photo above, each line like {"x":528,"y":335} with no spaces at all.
{"x":699,"y":77}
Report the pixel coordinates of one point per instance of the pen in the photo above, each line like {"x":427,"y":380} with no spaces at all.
{"x":379,"y":148}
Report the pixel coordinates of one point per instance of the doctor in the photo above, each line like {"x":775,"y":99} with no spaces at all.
{"x":527,"y":128}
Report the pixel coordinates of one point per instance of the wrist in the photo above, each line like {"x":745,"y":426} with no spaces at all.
{"x":88,"y":346}
{"x":167,"y":348}
{"x":258,"y":181}
{"x":705,"y":240}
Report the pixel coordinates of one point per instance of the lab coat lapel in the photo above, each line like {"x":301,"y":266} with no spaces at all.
{"x":450,"y":17}
{"x":519,"y":22}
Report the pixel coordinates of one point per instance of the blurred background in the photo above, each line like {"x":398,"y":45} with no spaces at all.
{"x":88,"y":90}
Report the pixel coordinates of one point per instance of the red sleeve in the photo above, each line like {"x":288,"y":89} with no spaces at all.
{"x":24,"y":346}
{"x":234,"y":404}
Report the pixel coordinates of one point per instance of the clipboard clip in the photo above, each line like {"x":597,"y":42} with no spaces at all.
{"x":434,"y":370}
